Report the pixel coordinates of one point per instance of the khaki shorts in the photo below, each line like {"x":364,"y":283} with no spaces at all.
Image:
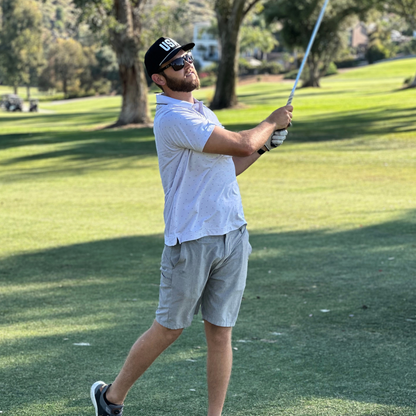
{"x":210,"y":273}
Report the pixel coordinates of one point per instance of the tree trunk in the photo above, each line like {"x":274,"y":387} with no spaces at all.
{"x":314,"y":75}
{"x":15,"y":89}
{"x":225,"y":90}
{"x":230,"y":15}
{"x":127,"y":43}
{"x":134,"y":107}
{"x":28,"y":92}
{"x":65,"y":87}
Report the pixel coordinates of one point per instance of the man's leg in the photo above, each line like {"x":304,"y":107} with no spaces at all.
{"x":144,"y":351}
{"x":219,"y":363}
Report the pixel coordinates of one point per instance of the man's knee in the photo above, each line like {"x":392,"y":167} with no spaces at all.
{"x":170,"y":335}
{"x":218,"y":336}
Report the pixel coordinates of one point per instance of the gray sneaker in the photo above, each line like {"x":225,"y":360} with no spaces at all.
{"x":102,"y":408}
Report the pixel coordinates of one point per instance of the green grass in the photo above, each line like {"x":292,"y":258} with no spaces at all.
{"x":332,"y":222}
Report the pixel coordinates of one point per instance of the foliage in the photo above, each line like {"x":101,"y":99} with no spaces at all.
{"x":208,"y":75}
{"x":66,"y":62}
{"x":77,"y":70}
{"x":208,"y":81}
{"x":157,"y":18}
{"x":380,"y":45}
{"x":407,"y":10}
{"x":409,"y":48}
{"x":349,"y":63}
{"x":331,"y":70}
{"x":59,"y":20}
{"x":166,"y":19}
{"x":403,"y":8}
{"x":376,"y":52}
{"x":107,"y":67}
{"x":21,"y":54}
{"x":256,"y":35}
{"x":272,"y":68}
{"x":298,"y":18}
{"x":245,"y":68}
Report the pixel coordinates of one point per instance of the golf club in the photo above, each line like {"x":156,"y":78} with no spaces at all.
{"x":305,"y":57}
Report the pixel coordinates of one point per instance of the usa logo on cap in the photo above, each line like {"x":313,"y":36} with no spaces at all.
{"x":168,"y":44}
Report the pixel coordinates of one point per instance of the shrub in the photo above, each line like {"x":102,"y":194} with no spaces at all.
{"x":409,"y":48}
{"x":208,"y":81}
{"x":332,"y":70}
{"x":244,"y":68}
{"x":211,"y":69}
{"x":348,"y":63}
{"x":376,"y":52}
{"x":272,"y":68}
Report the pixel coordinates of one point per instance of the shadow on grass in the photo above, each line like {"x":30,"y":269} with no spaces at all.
{"x":86,"y":118}
{"x":279,"y":96}
{"x":79,"y":151}
{"x":105,"y":293}
{"x":99,"y":147}
{"x":348,"y":125}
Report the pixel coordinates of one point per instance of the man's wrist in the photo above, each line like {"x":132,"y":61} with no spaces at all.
{"x":262,"y":150}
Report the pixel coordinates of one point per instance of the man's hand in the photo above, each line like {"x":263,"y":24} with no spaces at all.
{"x":281,"y":117}
{"x":276,"y":139}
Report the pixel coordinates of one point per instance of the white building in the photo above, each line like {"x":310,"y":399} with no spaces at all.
{"x":207,"y":47}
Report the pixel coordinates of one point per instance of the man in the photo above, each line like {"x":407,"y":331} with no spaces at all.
{"x":204,"y":262}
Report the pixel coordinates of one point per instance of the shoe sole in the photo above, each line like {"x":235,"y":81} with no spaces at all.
{"x":92,"y":394}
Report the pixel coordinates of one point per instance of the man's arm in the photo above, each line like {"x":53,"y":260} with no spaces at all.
{"x":246,"y":143}
{"x":242,"y":163}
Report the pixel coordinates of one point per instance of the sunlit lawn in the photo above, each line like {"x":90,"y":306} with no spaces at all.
{"x":332,"y":221}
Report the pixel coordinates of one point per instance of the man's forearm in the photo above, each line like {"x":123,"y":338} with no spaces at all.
{"x":242,"y":163}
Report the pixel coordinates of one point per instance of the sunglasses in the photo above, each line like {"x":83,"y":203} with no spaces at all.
{"x":178,"y":63}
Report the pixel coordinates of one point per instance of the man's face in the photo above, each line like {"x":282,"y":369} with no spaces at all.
{"x":184,"y":80}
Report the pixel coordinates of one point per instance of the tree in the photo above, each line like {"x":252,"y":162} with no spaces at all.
{"x":256,"y":35}
{"x":407,"y":10}
{"x":230,"y":15}
{"x":120,"y":22}
{"x":299,"y":17}
{"x":66,"y":62}
{"x":124,"y":24}
{"x":21,"y":53}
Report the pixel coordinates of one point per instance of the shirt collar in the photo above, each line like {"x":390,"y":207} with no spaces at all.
{"x":163,"y":99}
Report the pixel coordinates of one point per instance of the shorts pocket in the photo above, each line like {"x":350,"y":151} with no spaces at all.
{"x":175,"y":254}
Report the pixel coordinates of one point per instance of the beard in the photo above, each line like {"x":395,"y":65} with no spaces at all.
{"x":183,"y":85}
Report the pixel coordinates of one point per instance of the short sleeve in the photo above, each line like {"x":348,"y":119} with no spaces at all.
{"x":186,"y":129}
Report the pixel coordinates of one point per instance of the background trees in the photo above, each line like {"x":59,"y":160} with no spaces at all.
{"x":21,"y":53}
{"x":120,"y":21}
{"x":97,"y":46}
{"x":298,"y":18}
{"x":407,"y":10}
{"x":230,"y":15}
{"x":66,"y":67}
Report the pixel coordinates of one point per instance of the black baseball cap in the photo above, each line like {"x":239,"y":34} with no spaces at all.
{"x":162,"y":51}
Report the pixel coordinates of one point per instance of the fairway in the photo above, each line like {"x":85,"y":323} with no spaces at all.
{"x":328,"y":321}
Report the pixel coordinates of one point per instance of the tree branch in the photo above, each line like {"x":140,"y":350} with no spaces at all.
{"x":249,"y":7}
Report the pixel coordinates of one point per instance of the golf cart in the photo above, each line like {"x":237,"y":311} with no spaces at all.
{"x":12,"y":102}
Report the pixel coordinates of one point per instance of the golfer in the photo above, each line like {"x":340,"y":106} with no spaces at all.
{"x":204,"y":261}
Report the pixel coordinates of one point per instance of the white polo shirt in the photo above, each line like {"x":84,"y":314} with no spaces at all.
{"x":202,"y":196}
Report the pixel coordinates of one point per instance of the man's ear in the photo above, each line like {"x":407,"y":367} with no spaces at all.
{"x":159,"y":79}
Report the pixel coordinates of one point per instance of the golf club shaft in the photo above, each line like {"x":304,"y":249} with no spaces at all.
{"x":305,"y":57}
